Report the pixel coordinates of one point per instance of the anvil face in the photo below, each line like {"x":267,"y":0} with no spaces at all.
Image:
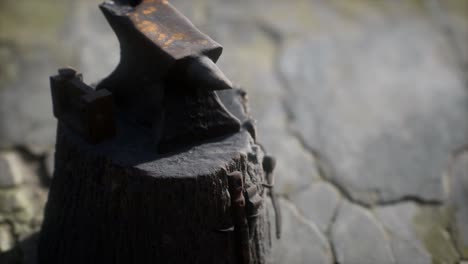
{"x":165,"y":27}
{"x":171,"y":31}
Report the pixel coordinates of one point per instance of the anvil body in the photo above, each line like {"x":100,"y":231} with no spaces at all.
{"x":167,"y":77}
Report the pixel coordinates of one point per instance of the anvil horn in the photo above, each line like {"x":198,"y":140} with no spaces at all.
{"x":203,"y":74}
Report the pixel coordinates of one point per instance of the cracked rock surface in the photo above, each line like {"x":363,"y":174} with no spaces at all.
{"x":318,"y":204}
{"x":414,"y":231}
{"x":302,"y":242}
{"x":458,"y":197}
{"x":364,"y":104}
{"x":359,"y":238}
{"x":392,"y":102}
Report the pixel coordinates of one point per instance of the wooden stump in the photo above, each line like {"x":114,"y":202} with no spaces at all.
{"x":119,"y":202}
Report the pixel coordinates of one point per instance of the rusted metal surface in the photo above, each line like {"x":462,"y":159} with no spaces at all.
{"x":269,"y":164}
{"x":161,"y":23}
{"x":86,"y":111}
{"x":154,"y":36}
{"x":241,"y":227}
{"x":167,"y":75}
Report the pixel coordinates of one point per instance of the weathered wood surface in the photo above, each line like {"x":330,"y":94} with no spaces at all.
{"x":118,"y":202}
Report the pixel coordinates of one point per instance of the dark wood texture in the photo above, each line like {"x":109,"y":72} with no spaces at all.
{"x":119,"y":202}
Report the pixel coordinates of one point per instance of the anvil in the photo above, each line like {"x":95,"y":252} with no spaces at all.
{"x":167,"y":76}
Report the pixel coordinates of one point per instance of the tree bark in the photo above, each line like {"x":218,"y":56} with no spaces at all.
{"x":120,"y":202}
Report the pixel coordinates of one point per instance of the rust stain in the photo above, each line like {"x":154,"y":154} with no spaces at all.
{"x":150,"y":10}
{"x":148,"y":27}
{"x":136,"y":17}
{"x":175,"y":37}
{"x":162,"y":37}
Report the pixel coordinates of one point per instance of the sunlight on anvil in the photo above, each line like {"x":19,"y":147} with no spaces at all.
{"x":167,"y":77}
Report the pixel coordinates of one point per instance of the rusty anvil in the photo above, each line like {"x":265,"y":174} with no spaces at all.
{"x":167,"y":76}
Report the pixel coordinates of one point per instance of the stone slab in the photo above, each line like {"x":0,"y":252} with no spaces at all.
{"x":458,"y":197}
{"x":318,"y":204}
{"x":301,"y":242}
{"x":377,"y":93}
{"x":358,"y":238}
{"x":7,"y":241}
{"x":11,"y":173}
{"x":406,"y":245}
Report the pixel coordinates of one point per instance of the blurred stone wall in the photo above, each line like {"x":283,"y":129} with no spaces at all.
{"x":364,"y":103}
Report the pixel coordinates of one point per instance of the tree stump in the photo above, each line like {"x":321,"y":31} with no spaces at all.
{"x":119,"y":202}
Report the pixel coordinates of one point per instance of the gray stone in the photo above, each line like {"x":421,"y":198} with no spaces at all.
{"x":407,"y":252}
{"x":296,"y":169}
{"x":25,"y":105}
{"x":23,"y":208}
{"x":418,"y":234}
{"x":7,"y":240}
{"x":358,"y":238}
{"x":301,"y":241}
{"x":195,"y":11}
{"x":9,"y":69}
{"x":375,"y":92}
{"x":10,"y":170}
{"x":78,"y":37}
{"x":13,"y":201}
{"x":285,"y":18}
{"x":399,"y":221}
{"x":96,"y":46}
{"x":458,"y":195}
{"x":318,"y":204}
{"x":453,"y":17}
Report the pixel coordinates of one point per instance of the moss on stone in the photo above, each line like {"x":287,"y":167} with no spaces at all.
{"x":15,"y":205}
{"x":30,"y":21}
{"x":459,"y":240}
{"x":10,"y":68}
{"x":358,"y":8}
{"x":464,"y":252}
{"x":21,"y":208}
{"x":431,"y":226}
{"x":458,"y":7}
{"x":9,"y":202}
